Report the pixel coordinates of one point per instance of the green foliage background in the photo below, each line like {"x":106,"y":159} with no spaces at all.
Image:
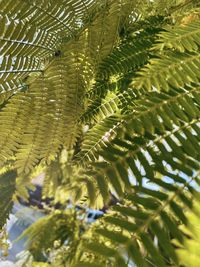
{"x":103,"y":99}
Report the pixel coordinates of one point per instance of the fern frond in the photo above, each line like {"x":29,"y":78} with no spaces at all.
{"x":70,"y":75}
{"x":58,"y":17}
{"x":13,"y":116}
{"x":31,"y":147}
{"x":17,"y":68}
{"x":118,"y":67}
{"x":182,"y":38}
{"x":160,"y":111}
{"x":147,"y":113}
{"x":103,"y":38}
{"x":99,"y":109}
{"x":97,"y":137}
{"x":20,"y":39}
{"x":127,"y":57}
{"x":146,"y":157}
{"x":173,"y":69}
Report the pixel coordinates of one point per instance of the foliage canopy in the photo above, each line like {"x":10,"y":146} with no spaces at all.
{"x":103,"y":98}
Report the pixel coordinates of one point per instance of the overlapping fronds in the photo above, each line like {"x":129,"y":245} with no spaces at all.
{"x":36,"y":103}
{"x":145,"y":157}
{"x":103,"y":33}
{"x":107,"y":117}
{"x":139,"y":230}
{"x":62,"y":225}
{"x":7,"y":190}
{"x":112,"y":76}
{"x":115,"y":85}
{"x":20,"y":38}
{"x":58,"y":17}
{"x":153,"y":159}
{"x":35,"y":37}
{"x":156,"y":125}
{"x":100,"y":109}
{"x":129,"y":56}
{"x":56,"y":108}
{"x":172,"y":69}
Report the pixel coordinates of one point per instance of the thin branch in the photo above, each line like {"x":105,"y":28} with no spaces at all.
{"x":20,"y":71}
{"x":26,"y":43}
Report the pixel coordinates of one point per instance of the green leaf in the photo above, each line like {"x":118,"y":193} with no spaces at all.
{"x":147,"y":202}
{"x":115,"y":181}
{"x":7,"y":190}
{"x":148,"y":243}
{"x":122,"y":223}
{"x":103,"y":187}
{"x":100,"y":249}
{"x":113,"y":236}
{"x":164,"y":240}
{"x":178,"y":211}
{"x":91,"y":191}
{"x":138,"y":214}
{"x":136,"y":254}
{"x":123,"y":174}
